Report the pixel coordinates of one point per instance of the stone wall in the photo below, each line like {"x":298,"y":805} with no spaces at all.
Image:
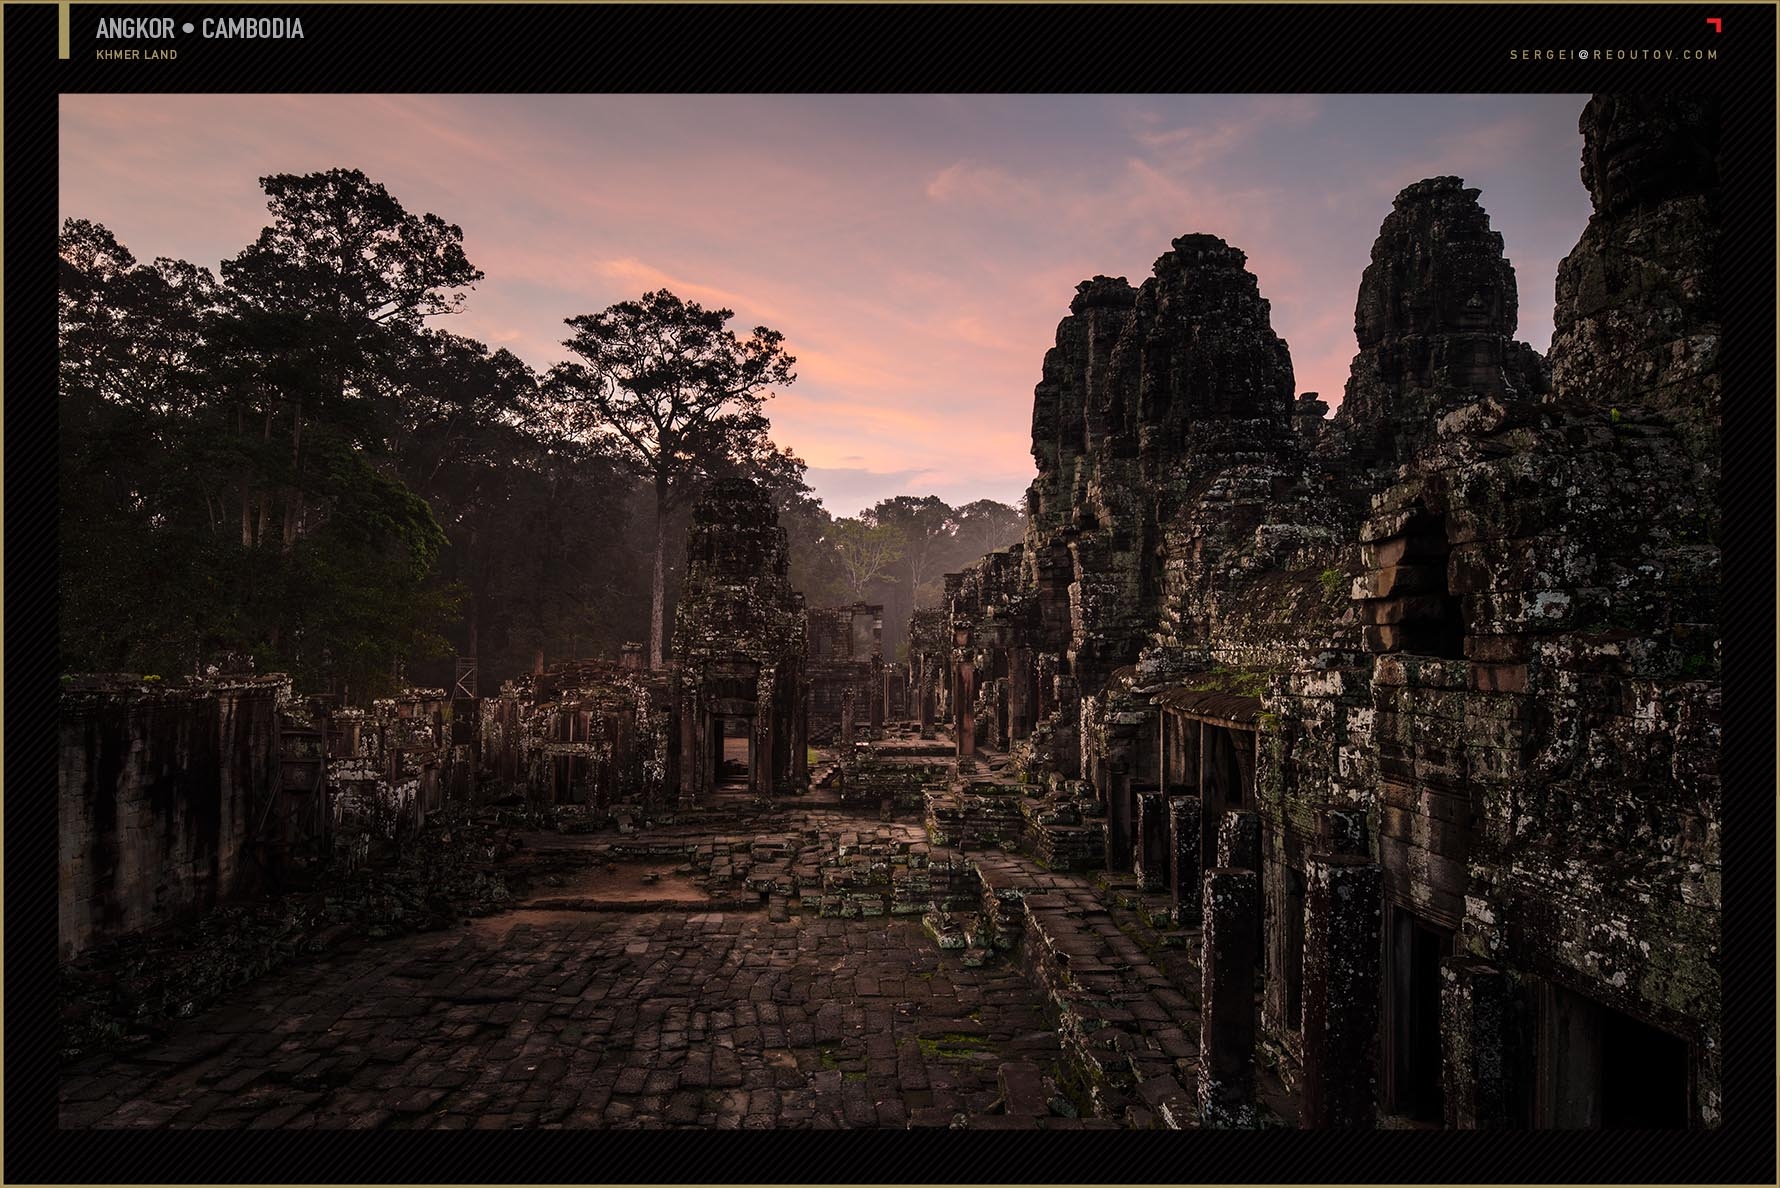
{"x":160,"y":786}
{"x":1470,"y":623}
{"x":739,"y":646}
{"x":588,"y":733}
{"x":847,"y":681}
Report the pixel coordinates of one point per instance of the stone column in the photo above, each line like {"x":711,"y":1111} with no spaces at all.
{"x":1343,"y":932}
{"x":928,"y":695}
{"x":1232,"y":913}
{"x":1183,"y":859}
{"x":847,"y":702}
{"x":1239,"y":848}
{"x":691,"y":739}
{"x":878,"y":708}
{"x":1151,"y":858}
{"x":1239,"y":840}
{"x":966,"y":710}
{"x":1119,"y":817}
{"x":1474,"y":1033}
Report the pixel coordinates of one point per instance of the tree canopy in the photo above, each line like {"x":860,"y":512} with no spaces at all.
{"x":291,"y":460}
{"x":681,"y":397}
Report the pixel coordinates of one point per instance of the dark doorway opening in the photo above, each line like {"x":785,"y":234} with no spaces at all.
{"x":1226,"y":781}
{"x":1293,"y":962}
{"x":733,"y":752}
{"x":1601,"y":1068}
{"x":1643,"y":1076}
{"x":1432,"y":623}
{"x":1414,"y":1062}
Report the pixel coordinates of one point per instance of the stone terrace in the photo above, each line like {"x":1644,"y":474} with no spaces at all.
{"x":792,"y":966}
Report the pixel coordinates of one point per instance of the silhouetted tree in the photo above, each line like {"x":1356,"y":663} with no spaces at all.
{"x":681,"y":393}
{"x":868,"y":554}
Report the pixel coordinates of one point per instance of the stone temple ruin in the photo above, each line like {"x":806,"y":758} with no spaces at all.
{"x":1293,"y":770}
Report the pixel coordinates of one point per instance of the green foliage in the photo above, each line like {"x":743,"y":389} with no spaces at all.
{"x":673,"y":392}
{"x":1246,"y":682}
{"x":868,"y":553}
{"x":235,"y":475}
{"x":1332,"y":580}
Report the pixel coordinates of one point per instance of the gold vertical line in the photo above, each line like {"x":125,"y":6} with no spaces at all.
{"x":62,"y":37}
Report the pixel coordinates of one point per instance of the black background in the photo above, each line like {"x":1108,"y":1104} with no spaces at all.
{"x":966,"y":48}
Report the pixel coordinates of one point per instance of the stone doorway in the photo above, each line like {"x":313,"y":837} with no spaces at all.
{"x":1599,"y":1068}
{"x":1412,"y":1057}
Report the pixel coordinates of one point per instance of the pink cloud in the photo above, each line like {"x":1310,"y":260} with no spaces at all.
{"x":918,"y":274}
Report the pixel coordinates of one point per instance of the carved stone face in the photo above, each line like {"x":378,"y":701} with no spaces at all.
{"x":1642,"y":149}
{"x":1437,"y":268}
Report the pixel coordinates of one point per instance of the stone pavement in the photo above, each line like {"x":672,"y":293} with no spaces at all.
{"x":578,"y":1018}
{"x":782,"y":970}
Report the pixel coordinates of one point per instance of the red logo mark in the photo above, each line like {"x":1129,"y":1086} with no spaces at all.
{"x":1717,"y":24}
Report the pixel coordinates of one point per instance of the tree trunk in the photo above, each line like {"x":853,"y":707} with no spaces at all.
{"x":246,"y":512}
{"x":658,"y":581}
{"x":246,"y":488}
{"x":265,"y":520}
{"x":293,"y":502}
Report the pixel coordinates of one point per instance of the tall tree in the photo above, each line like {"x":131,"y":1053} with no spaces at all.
{"x":335,"y":285}
{"x":985,"y":525}
{"x":193,"y":414}
{"x":868,"y":554}
{"x":683,"y":395}
{"x":925,"y":522}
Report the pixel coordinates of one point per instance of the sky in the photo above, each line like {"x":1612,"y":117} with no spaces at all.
{"x":917,"y":251}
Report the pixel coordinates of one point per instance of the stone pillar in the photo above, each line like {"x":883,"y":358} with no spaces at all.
{"x":690,"y":746}
{"x":1239,"y":848}
{"x":1183,"y":858}
{"x":928,"y":695}
{"x":1021,"y":694}
{"x":1343,"y":933}
{"x":966,"y":710}
{"x":1232,"y":913}
{"x":1474,"y":1033}
{"x":847,"y":701}
{"x":1239,"y":840}
{"x":1151,"y":858}
{"x":884,"y":694}
{"x":879,"y":696}
{"x":1119,"y":818}
{"x":760,"y":753}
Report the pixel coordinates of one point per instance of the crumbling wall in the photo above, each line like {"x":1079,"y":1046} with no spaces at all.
{"x":1472,"y":618}
{"x":160,"y":787}
{"x":588,"y":732}
{"x":845,"y":658}
{"x":739,"y":646}
{"x":390,"y":766}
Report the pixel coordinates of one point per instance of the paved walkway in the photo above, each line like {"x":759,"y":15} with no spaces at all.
{"x":577,"y":1018}
{"x":618,"y":995}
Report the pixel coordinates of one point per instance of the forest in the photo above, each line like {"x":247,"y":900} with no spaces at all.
{"x":291,"y":460}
